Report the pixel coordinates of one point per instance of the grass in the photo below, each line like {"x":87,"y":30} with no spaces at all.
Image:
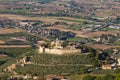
{"x":117,"y":42}
{"x":22,"y":12}
{"x":76,"y":77}
{"x":111,"y":29}
{"x":79,"y":77}
{"x":75,"y":26}
{"x":74,"y":19}
{"x":14,"y":52}
{"x":76,"y":39}
{"x":4,"y":37}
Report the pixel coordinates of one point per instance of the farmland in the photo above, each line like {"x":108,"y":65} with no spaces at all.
{"x":34,"y":32}
{"x":8,"y":31}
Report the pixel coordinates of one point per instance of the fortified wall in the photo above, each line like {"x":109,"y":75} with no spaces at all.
{"x":58,"y":51}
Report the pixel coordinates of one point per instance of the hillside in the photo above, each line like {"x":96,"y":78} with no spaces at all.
{"x":59,"y":39}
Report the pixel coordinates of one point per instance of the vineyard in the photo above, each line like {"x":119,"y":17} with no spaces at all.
{"x":44,"y":64}
{"x":46,"y":70}
{"x":60,"y":59}
{"x":12,"y":54}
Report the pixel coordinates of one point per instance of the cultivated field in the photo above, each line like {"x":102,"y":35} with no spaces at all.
{"x":101,"y":46}
{"x":44,"y":19}
{"x":15,"y":46}
{"x":8,"y":30}
{"x":99,"y":33}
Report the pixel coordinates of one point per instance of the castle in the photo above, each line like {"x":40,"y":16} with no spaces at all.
{"x":57,"y":48}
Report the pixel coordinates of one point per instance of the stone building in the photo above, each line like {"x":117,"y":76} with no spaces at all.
{"x":58,"y":49}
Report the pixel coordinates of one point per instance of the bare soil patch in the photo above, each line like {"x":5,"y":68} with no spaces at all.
{"x":2,"y":42}
{"x":8,"y":30}
{"x":14,"y":46}
{"x":99,"y":33}
{"x":99,"y":46}
{"x":44,"y":19}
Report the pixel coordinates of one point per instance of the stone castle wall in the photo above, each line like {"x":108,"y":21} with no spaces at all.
{"x":58,"y":51}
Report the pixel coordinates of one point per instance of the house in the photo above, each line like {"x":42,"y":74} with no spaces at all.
{"x":54,"y":77}
{"x":106,"y":67}
{"x":97,"y":39}
{"x":114,"y":27}
{"x":10,"y":68}
{"x":118,"y":62}
{"x":6,"y":23}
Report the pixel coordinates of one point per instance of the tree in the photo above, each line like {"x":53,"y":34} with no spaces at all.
{"x":117,"y":71}
{"x":47,"y":45}
{"x":117,"y":77}
{"x":98,"y":78}
{"x":64,"y":44}
{"x":108,"y":77}
{"x":89,"y":77}
{"x":83,"y":70}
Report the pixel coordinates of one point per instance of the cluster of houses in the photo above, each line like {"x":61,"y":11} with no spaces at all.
{"x":111,"y":61}
{"x":6,"y":23}
{"x":106,"y":27}
{"x":54,"y":33}
{"x":36,"y":27}
{"x":111,"y":66}
{"x":44,"y":31}
{"x":108,"y":39}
